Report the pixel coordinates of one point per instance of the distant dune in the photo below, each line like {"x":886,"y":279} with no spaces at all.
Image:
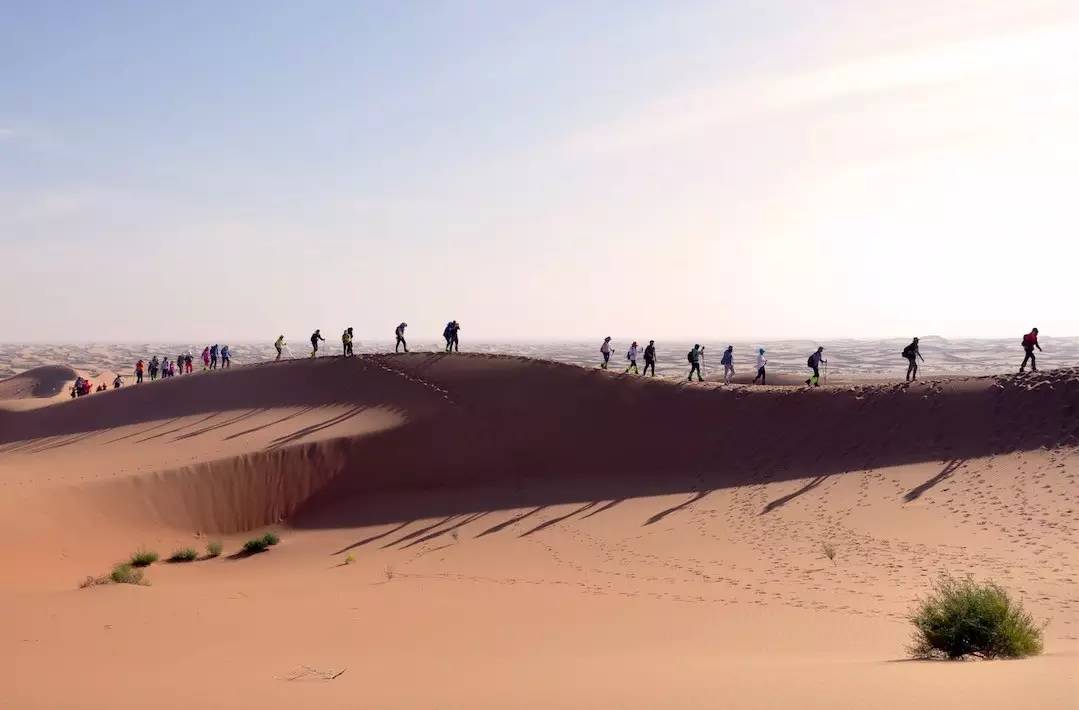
{"x":491,"y":482}
{"x":40,"y":382}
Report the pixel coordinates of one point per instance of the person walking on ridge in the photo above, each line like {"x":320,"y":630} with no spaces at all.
{"x":455,"y":343}
{"x":206,"y":358}
{"x":912,"y":353}
{"x":650,"y":357}
{"x":399,"y":332}
{"x":694,"y":357}
{"x":728,"y":364}
{"x":226,"y":356}
{"x":213,"y":356}
{"x":631,"y":355}
{"x":605,"y":351}
{"x":154,"y":364}
{"x":761,"y":363}
{"x":279,"y":344}
{"x":1029,"y":342}
{"x":346,"y":342}
{"x":315,"y":337}
{"x":138,"y":372}
{"x":814,"y":364}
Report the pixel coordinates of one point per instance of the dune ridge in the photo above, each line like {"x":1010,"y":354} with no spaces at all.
{"x":530,"y":432}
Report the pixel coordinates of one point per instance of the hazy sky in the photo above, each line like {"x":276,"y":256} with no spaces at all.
{"x":210,"y":170}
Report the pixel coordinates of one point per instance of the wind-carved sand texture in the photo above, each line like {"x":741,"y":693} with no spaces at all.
{"x":486,"y":531}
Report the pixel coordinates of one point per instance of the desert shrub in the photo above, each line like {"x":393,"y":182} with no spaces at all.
{"x":186,"y":554}
{"x":126,"y":574}
{"x":94,"y":581}
{"x":256,"y":544}
{"x":962,"y":617}
{"x":829,"y":551}
{"x":270,"y":539}
{"x":143,"y":558}
{"x":350,"y":560}
{"x":213,"y":548}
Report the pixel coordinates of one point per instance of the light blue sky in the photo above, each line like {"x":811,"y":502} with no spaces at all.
{"x":771,"y":169}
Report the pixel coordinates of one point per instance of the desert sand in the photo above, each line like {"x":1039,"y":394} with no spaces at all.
{"x":481,"y":531}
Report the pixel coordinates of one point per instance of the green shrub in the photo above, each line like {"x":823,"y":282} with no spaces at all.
{"x":257,"y":544}
{"x":962,"y":617}
{"x":126,"y":574}
{"x":213,"y":548}
{"x":143,"y":558}
{"x":186,"y":554}
{"x":271,"y":539}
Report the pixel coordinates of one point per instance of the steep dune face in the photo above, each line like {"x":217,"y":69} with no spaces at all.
{"x":235,"y":450}
{"x":547,"y":433}
{"x":40,"y":382}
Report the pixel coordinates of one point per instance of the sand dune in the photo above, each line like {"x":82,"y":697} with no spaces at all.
{"x":511,"y":521}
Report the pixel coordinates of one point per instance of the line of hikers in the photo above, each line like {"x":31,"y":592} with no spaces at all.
{"x":814,"y":362}
{"x":183,"y":364}
{"x":449,"y":333}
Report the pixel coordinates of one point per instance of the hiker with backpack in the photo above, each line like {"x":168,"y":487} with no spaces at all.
{"x":728,"y":364}
{"x":154,"y":364}
{"x":455,"y":343}
{"x":694,"y":357}
{"x":206,"y":358}
{"x":399,"y":332}
{"x":279,"y":344}
{"x":226,"y":356}
{"x":315,"y":337}
{"x":346,"y":342}
{"x":814,"y":362}
{"x":650,"y":357}
{"x":138,"y":372}
{"x":761,"y":363}
{"x":631,"y":355}
{"x":1029,"y":342}
{"x":213,"y":356}
{"x":605,"y":351}
{"x":912,"y":353}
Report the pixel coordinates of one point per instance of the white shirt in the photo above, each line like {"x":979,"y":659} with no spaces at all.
{"x":606,"y":347}
{"x":761,"y":361}
{"x":631,"y":354}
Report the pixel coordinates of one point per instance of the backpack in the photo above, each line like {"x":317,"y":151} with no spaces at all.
{"x":689,"y":356}
{"x":908,"y":351}
{"x":809,"y":362}
{"x":1028,"y":341}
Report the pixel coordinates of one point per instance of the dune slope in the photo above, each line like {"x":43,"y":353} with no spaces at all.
{"x":486,"y":531}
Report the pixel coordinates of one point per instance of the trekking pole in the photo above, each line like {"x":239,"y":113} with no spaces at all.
{"x":825,"y":372}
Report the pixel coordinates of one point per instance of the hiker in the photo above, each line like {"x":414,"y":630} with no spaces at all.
{"x":101,"y":388}
{"x":399,"y":333}
{"x":315,"y":337}
{"x":138,"y":372}
{"x":118,"y":382}
{"x":455,"y":343}
{"x":346,"y":342}
{"x":631,"y":355}
{"x":912,"y":353}
{"x":728,"y":364}
{"x":180,"y":364}
{"x":447,"y":335}
{"x":694,"y":357}
{"x":605,"y":350}
{"x":761,"y":362}
{"x":226,"y":356}
{"x":154,"y":364}
{"x":814,"y":363}
{"x":279,"y":344}
{"x":650,"y":357}
{"x":213,"y":356}
{"x":206,"y":358}
{"x":1029,"y":342}
{"x":188,"y":362}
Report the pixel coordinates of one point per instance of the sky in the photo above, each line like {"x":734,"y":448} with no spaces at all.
{"x":206,"y":170}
